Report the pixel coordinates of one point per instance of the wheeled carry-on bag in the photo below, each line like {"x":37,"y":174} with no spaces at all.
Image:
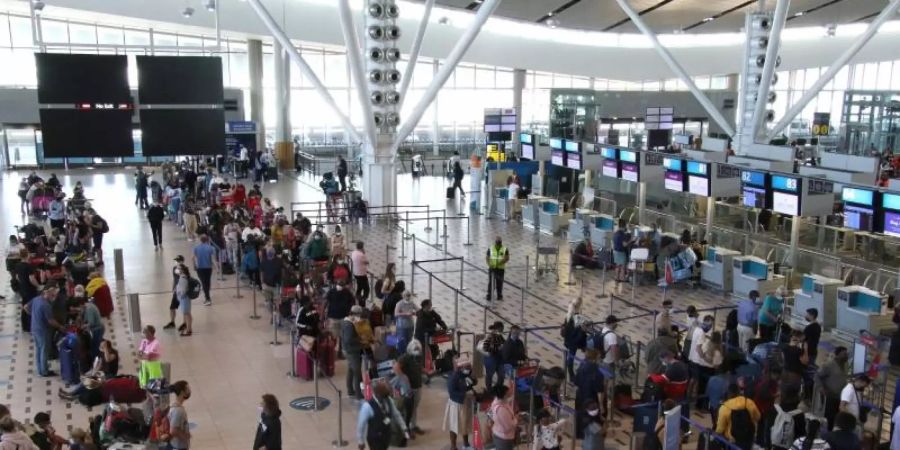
{"x":69,"y":367}
{"x":451,"y":193}
{"x":304,"y":364}
{"x":326,"y":348}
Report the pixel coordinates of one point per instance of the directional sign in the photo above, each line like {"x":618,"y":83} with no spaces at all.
{"x":309,"y":403}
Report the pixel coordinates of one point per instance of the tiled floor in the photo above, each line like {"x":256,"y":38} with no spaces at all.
{"x":229,"y":360}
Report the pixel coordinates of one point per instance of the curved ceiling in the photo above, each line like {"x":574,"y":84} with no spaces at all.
{"x":502,"y":42}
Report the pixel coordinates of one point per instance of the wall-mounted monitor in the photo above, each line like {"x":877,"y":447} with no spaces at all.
{"x":508,"y":127}
{"x":609,"y":152}
{"x":627,"y":156}
{"x":556,"y":144}
{"x":698,"y":185}
{"x":785,"y":183}
{"x":674,"y":181}
{"x":492,"y":128}
{"x":528,"y":151}
{"x":786,"y":203}
{"x":630,"y":172}
{"x":526,"y":138}
{"x":858,"y":196}
{"x":753,"y":178}
{"x":610,"y":168}
{"x":891,"y":201}
{"x":573,"y":161}
{"x":753,"y":197}
{"x":674,"y":164}
{"x":697,"y":168}
{"x":859,"y":218}
{"x":892,"y":223}
{"x":572,"y":146}
{"x":558,"y":158}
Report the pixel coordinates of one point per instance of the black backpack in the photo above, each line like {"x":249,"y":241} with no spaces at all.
{"x":742,"y":429}
{"x":194,"y":288}
{"x":379,"y":284}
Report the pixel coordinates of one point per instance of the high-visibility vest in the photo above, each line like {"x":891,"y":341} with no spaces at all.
{"x":497,"y":257}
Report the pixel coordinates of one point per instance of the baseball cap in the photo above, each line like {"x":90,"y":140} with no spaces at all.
{"x":179,"y":258}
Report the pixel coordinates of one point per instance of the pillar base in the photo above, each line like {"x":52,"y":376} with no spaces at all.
{"x":379,"y":182}
{"x":284,"y":152}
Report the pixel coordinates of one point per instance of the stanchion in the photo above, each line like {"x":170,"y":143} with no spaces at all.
{"x":430,"y":278}
{"x":340,"y":442}
{"x":407,"y":226}
{"x":316,"y":384}
{"x":445,"y":224}
{"x":403,"y":247}
{"x":570,"y":281}
{"x":437,"y":222}
{"x":274,"y":308}
{"x":254,"y":316}
{"x":445,"y":239}
{"x":237,"y":274}
{"x":414,"y":246}
{"x":119,"y":264}
{"x":468,"y":232}
{"x":603,"y":282}
{"x":293,"y":372}
{"x":462,"y":272}
{"x":428,"y":218}
{"x":456,"y":310}
{"x":524,"y":290}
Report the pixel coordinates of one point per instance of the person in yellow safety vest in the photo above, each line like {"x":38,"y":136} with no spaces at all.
{"x":497,"y":257}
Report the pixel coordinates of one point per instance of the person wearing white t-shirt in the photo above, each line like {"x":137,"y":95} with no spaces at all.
{"x":513,"y":190}
{"x":851,"y":395}
{"x":610,"y":342}
{"x":701,"y":368}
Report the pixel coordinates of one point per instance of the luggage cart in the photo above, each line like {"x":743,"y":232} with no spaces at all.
{"x":435,"y":352}
{"x":547,"y":262}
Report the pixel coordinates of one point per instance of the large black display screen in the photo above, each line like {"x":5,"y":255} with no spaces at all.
{"x":180,"y":80}
{"x":182,"y":131}
{"x":86,"y":133}
{"x":80,"y":79}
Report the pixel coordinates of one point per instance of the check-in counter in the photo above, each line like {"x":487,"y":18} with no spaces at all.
{"x":751,"y":273}
{"x":552,"y":219}
{"x":717,"y":269}
{"x":860,"y":308}
{"x":602,"y":228}
{"x":816,"y":292}
{"x":531,"y":217}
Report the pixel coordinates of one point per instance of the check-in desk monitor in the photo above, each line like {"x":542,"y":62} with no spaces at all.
{"x":551,"y":217}
{"x":602,"y":228}
{"x":816,"y":292}
{"x":754,"y":274}
{"x":717,"y":269}
{"x":860,"y":308}
{"x":531,"y":212}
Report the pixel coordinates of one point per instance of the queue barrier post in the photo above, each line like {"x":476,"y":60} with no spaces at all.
{"x":445,"y":224}
{"x":437,"y":222}
{"x":428,"y":219}
{"x":603,"y":294}
{"x":468,"y":231}
{"x":462,"y":273}
{"x":254,"y":315}
{"x":339,"y":442}
{"x":275,"y":320}
{"x":407,"y":225}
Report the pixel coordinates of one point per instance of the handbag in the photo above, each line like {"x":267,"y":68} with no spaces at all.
{"x":307,"y":343}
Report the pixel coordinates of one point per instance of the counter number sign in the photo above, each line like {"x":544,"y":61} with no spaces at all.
{"x":821,"y":124}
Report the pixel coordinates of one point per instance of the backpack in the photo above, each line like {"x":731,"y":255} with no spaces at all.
{"x":731,"y":322}
{"x":330,"y":186}
{"x":379,"y":284}
{"x":194,"y":288}
{"x":317,"y":249}
{"x":104,"y":227}
{"x":742,"y":429}
{"x":782,"y":432}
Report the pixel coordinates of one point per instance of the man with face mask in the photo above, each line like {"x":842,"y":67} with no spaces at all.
{"x":339,"y":303}
{"x":179,"y":429}
{"x":270,"y":266}
{"x":663,"y":343}
{"x":770,"y":314}
{"x":377,"y":417}
{"x":852,"y":394}
{"x":514,"y":348}
{"x":352,"y":349}
{"x":747,"y":315}
{"x":412,"y":363}
{"x":496,"y":259}
{"x":832,"y":377}
{"x":428,"y":322}
{"x":701,"y":369}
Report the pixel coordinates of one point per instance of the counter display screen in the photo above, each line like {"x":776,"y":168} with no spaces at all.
{"x":752,"y":178}
{"x":525,"y":138}
{"x":698,"y":168}
{"x":892,"y":223}
{"x":558,"y":158}
{"x":627,"y":156}
{"x":698,"y":185}
{"x":572,"y":146}
{"x":673,"y":164}
{"x":556,"y":143}
{"x":608,"y":152}
{"x":528,"y":151}
{"x":630,"y":172}
{"x":610,"y":168}
{"x":784,"y":203}
{"x":674,"y":181}
{"x":857,"y":218}
{"x":891,"y":201}
{"x":858,"y":196}
{"x":573,"y":161}
{"x":783,"y":183}
{"x":754,"y":197}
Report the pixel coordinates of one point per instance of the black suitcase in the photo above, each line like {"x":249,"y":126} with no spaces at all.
{"x":272,"y":174}
{"x":227,"y":268}
{"x":451,"y":193}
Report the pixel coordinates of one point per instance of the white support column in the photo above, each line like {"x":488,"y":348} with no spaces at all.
{"x":781,"y":9}
{"x":465,"y":41}
{"x":255,"y":66}
{"x":713,"y":112}
{"x":307,"y":71}
{"x":435,"y":125}
{"x":414,"y":51}
{"x":835,"y":67}
{"x":282,"y":95}
{"x":354,"y":57}
{"x":518,"y":89}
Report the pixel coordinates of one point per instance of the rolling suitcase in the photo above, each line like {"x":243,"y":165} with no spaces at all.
{"x":69,"y":367}
{"x":326,"y":349}
{"x":304,"y":364}
{"x":451,"y":193}
{"x":272,"y":174}
{"x":123,"y":389}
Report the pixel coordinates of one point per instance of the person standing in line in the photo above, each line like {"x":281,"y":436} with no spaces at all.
{"x":179,"y":428}
{"x":342,"y":172}
{"x":352,"y":350}
{"x":181,"y":291}
{"x":42,"y":322}
{"x":90,"y":317}
{"x":496,"y":259}
{"x":149,"y":348}
{"x":505,"y":421}
{"x":175,"y":303}
{"x":204,"y":261}
{"x":770,"y":314}
{"x":622,"y":240}
{"x":701,"y":368}
{"x":189,"y":217}
{"x":412,"y":365}
{"x":594,"y":432}
{"x":155,"y":215}
{"x":812,"y":334}
{"x":57,"y":212}
{"x":270,"y":267}
{"x":268,"y":431}
{"x":458,"y":412}
{"x":851,"y":397}
{"x":832,"y":377}
{"x":844,"y":435}
{"x":589,"y":384}
{"x":338,"y":305}
{"x":99,"y":227}
{"x":377,"y":418}
{"x":492,"y":349}
{"x":609,"y":342}
{"x":405,"y":313}
{"x":360,"y":268}
{"x":747,"y":314}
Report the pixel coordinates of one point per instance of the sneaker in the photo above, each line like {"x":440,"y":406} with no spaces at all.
{"x":49,"y":373}
{"x":182,"y":327}
{"x":169,"y":326}
{"x":207,"y":303}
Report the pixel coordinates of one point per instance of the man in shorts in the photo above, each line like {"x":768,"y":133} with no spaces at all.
{"x":173,"y":306}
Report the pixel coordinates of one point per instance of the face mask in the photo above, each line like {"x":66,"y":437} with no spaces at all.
{"x":177,"y":272}
{"x":340,"y":288}
{"x":706,"y":327}
{"x":498,"y":243}
{"x":514,"y":335}
{"x":593,"y":413}
{"x":467,"y":372}
{"x":260,"y":409}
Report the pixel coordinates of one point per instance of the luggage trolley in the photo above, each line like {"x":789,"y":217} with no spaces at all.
{"x":547,"y":261}
{"x":439,"y":355}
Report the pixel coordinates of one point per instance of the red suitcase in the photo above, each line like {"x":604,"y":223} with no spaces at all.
{"x":304,"y":364}
{"x":103,"y":300}
{"x":124,"y":389}
{"x":327,"y":352}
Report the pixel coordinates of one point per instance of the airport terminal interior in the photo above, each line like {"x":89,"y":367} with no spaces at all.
{"x":595,"y":224}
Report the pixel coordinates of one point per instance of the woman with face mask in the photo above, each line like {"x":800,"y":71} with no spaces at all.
{"x":268,"y":431}
{"x":458,"y":412}
{"x":505,"y":423}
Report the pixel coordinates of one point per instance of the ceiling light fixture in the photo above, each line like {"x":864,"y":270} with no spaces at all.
{"x":709,"y":19}
{"x":38,"y":6}
{"x":830,"y":30}
{"x":798,"y":13}
{"x":210,"y":5}
{"x":188,"y":12}
{"x":552,"y":23}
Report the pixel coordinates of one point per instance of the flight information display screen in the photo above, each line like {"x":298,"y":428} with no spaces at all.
{"x":784,"y":203}
{"x":698,"y":185}
{"x":674,"y":181}
{"x":558,"y":158}
{"x":754,"y":197}
{"x":610,"y":168}
{"x":892,"y":223}
{"x":858,"y":218}
{"x":527,"y":151}
{"x":630,"y":172}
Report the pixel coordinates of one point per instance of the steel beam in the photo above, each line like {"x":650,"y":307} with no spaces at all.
{"x":664,"y":53}
{"x":462,"y":45}
{"x":835,"y":67}
{"x":414,"y":52}
{"x":762,"y":94}
{"x":354,"y":57}
{"x":307,"y":71}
